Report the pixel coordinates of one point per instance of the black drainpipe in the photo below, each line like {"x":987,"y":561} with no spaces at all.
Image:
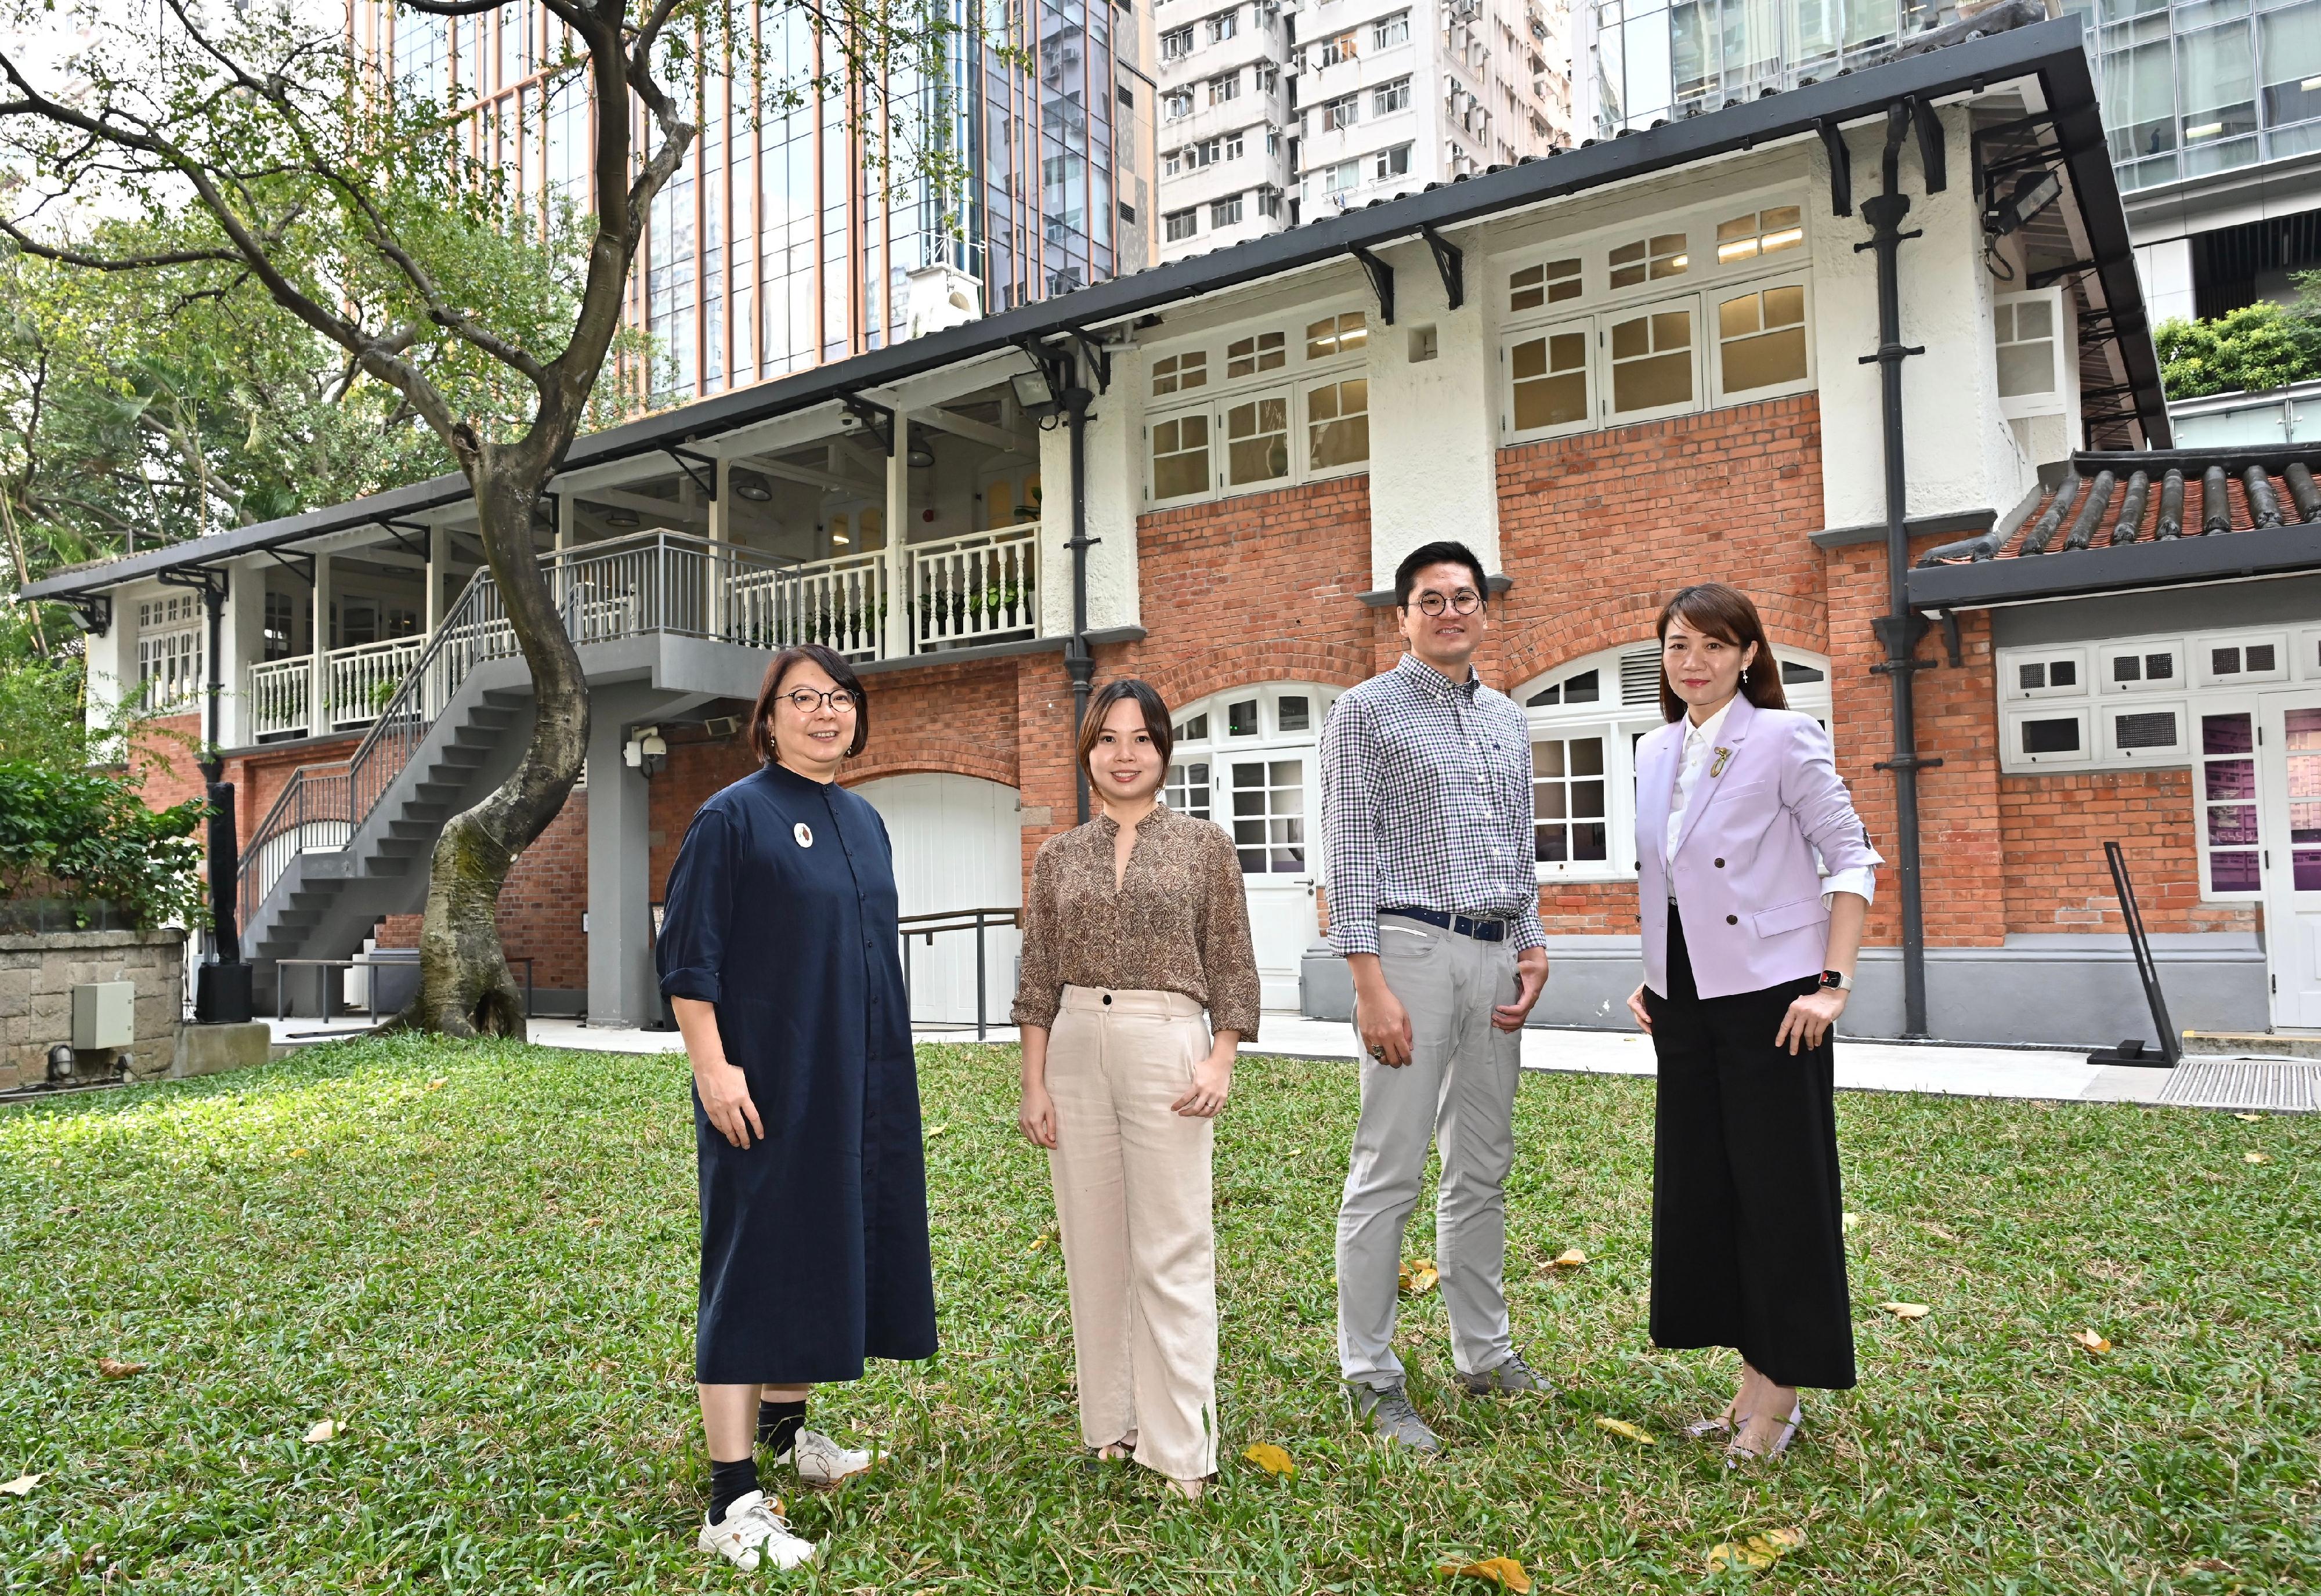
{"x":1078,"y":663}
{"x":1899,"y":628}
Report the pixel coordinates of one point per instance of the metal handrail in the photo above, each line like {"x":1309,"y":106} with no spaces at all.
{"x":978,"y":921}
{"x":315,"y":796}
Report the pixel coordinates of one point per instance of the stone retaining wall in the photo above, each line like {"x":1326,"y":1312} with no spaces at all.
{"x":38,"y":973}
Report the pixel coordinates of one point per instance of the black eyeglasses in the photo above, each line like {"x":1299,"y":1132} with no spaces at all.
{"x":1465,"y":602}
{"x":838,"y":698}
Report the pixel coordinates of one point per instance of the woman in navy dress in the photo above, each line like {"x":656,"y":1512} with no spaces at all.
{"x":780,"y":957}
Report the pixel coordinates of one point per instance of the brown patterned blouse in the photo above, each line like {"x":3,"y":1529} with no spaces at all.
{"x":1178,"y":922}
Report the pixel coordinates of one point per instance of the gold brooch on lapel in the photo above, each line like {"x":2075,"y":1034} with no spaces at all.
{"x":804,"y":833}
{"x":1716,"y":766}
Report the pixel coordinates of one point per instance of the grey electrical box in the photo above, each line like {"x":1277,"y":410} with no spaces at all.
{"x":104,"y":1015}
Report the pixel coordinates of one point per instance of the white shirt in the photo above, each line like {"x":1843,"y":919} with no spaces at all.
{"x":1699,"y":740}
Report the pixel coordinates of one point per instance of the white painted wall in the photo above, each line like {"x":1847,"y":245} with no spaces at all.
{"x":1958,"y":455}
{"x":241,"y":644}
{"x":2165,"y":270}
{"x":958,"y":845}
{"x":1115,"y":493}
{"x":1434,"y":436}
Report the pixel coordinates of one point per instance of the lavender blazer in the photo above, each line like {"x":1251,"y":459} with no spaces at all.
{"x":1744,"y":867}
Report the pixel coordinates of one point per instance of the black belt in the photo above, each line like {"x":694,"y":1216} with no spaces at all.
{"x":1465,"y":925}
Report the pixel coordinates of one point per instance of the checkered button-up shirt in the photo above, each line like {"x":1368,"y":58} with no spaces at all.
{"x":1426,"y":804}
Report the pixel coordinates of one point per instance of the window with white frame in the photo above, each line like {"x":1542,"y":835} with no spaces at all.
{"x":2026,"y":329}
{"x":2225,"y":821}
{"x":1205,"y":153}
{"x":1172,"y":162}
{"x":1341,"y":112}
{"x":1390,"y":30}
{"x":1176,"y":44}
{"x":1342,"y":178}
{"x":1390,"y":97}
{"x":1574,"y":361}
{"x":1224,"y":89}
{"x":1269,"y":78}
{"x":1223,"y":26}
{"x":1337,"y":48}
{"x":281,"y":620}
{"x":169,"y":652}
{"x":1223,"y":769}
{"x":1586,"y":718}
{"x":1235,"y":144}
{"x":1226,"y":212}
{"x":1391,"y":163}
{"x":1291,"y":405}
{"x":1269,"y":198}
{"x":1179,"y":225}
{"x":1175,"y":103}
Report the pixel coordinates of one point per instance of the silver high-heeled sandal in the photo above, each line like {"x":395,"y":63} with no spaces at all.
{"x":1721,"y":1424}
{"x":1736,"y":1453}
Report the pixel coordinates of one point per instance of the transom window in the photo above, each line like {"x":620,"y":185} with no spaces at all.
{"x":1760,"y":232}
{"x":1551,"y":282}
{"x":1292,"y":403}
{"x":1187,"y":370}
{"x":1649,"y":259}
{"x":1261,"y":351}
{"x":1244,"y":760}
{"x":1336,"y":335}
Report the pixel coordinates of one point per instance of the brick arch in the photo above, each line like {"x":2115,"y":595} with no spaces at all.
{"x":1277,"y":659}
{"x":925,"y":754}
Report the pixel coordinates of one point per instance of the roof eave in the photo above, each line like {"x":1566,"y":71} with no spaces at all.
{"x":2086,"y":573}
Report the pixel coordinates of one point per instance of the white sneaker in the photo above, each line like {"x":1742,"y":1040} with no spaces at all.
{"x":752,"y":1533}
{"x":821,"y":1461}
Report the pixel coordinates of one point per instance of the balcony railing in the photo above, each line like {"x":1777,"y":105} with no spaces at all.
{"x":980,"y":588}
{"x":361,"y":679}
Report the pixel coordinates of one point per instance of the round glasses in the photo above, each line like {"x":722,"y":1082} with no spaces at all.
{"x":838,"y":699}
{"x":1465,"y":602}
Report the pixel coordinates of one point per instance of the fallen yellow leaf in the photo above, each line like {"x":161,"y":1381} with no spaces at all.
{"x":112,"y":1368}
{"x":1269,"y":1457}
{"x":935,"y":1130}
{"x":1906,"y":1310}
{"x":1759,"y":1551}
{"x":2256,"y":1157}
{"x":1503,"y":1571}
{"x":2250,"y":1118}
{"x":437,"y":1083}
{"x":1847,"y":1221}
{"x":326,"y":1429}
{"x":1621,"y":1426}
{"x":1571,"y":1257}
{"x":1418,"y":1278}
{"x":1937,"y":1231}
{"x":1042,"y":1239}
{"x":22,"y":1486}
{"x":2091,"y":1341}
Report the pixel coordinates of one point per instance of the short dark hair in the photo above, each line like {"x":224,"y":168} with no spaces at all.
{"x":1725,"y":612}
{"x":1436,"y":554}
{"x":1147,"y":698}
{"x":762,"y":715}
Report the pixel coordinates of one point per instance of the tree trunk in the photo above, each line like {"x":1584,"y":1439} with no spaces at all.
{"x":465,"y":987}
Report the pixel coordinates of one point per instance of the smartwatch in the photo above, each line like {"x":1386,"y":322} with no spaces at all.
{"x":1832,"y":979}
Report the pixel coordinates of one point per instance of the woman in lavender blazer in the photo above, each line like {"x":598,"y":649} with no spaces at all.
{"x":1749,"y":951}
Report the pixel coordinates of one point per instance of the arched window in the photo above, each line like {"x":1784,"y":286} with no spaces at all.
{"x":1586,"y":716}
{"x":1244,"y":759}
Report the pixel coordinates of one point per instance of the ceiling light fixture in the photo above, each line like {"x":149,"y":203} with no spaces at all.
{"x":751,"y":486}
{"x":619,"y":515}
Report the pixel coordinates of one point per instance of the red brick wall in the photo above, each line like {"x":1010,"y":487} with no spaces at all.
{"x":2054,"y":828}
{"x":540,"y":906}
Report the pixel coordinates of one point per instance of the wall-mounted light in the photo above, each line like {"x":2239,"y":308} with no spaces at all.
{"x":921,"y":456}
{"x":646,"y":751}
{"x":2033,"y":193}
{"x":1034,"y":392}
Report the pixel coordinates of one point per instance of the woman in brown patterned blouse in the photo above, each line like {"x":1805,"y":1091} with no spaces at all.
{"x":1136,"y":925}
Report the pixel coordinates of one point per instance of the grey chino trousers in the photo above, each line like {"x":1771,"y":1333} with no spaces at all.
{"x":1458,"y":1090}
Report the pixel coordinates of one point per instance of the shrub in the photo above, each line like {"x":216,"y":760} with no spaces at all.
{"x":92,"y":836}
{"x":2257,"y":347}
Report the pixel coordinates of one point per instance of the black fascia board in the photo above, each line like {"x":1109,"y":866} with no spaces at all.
{"x":2274,"y":458}
{"x":2050,"y":51}
{"x":2078,"y":573}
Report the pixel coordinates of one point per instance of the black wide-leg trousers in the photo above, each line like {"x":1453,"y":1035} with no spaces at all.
{"x":1748,"y":1226}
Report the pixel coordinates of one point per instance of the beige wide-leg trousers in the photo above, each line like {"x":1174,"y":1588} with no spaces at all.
{"x":1132,"y":1183}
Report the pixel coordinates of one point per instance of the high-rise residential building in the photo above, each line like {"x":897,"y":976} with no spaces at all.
{"x":786,"y":241}
{"x":1274,"y":111}
{"x":2212,"y":109}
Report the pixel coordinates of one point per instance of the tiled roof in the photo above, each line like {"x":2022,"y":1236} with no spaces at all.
{"x":2109,"y":500}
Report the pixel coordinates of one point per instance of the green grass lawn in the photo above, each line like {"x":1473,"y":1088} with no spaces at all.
{"x":479,"y":1260}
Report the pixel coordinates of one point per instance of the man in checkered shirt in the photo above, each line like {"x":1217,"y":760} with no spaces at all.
{"x":1426,"y":810}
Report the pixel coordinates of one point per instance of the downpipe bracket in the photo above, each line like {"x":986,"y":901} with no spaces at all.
{"x":1907,"y":762}
{"x":1891,"y":353}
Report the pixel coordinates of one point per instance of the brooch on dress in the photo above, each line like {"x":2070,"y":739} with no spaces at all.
{"x":804,"y":833}
{"x":1716,"y":766}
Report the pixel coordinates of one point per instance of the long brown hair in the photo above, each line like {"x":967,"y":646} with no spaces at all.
{"x":1725,"y":613}
{"x":762,"y":715}
{"x":1147,"y":698}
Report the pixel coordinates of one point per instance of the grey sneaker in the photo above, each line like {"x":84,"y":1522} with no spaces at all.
{"x":1510,"y":1377}
{"x":1390,"y":1414}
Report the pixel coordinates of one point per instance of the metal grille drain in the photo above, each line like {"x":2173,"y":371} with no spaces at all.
{"x":2244,"y":1084}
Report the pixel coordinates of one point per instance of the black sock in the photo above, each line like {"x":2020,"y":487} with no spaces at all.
{"x":778,"y":1424}
{"x":729,"y":1482}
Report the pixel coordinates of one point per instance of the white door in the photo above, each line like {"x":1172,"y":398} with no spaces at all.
{"x":2291,"y":807}
{"x":1246,"y":760}
{"x":959,"y":845}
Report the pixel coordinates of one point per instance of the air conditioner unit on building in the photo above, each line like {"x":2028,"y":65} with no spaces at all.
{"x":939,"y":296}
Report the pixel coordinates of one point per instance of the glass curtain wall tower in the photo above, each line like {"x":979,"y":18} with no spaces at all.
{"x":786,"y":241}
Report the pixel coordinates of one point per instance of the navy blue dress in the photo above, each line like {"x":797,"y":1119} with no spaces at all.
{"x":780,"y":912}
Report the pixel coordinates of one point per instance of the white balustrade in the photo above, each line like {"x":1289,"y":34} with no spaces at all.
{"x":364,"y":677}
{"x":840,"y":603}
{"x":975,"y":589}
{"x":277,"y":696}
